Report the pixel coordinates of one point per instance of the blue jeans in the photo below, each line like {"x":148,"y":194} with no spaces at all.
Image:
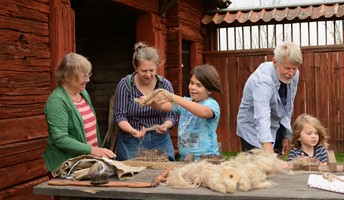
{"x":128,"y":147}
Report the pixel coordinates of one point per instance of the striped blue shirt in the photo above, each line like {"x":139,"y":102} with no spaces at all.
{"x":125,"y":109}
{"x":320,"y":153}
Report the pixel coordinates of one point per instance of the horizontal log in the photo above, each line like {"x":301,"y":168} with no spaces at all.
{"x":21,"y":158}
{"x":16,"y":153}
{"x":23,"y":129}
{"x":25,"y":52}
{"x":15,"y":111}
{"x":24,"y":25}
{"x":23,"y":40}
{"x":20,"y":65}
{"x":148,"y":5}
{"x":24,"y":190}
{"x":22,"y":147}
{"x":24,"y":83}
{"x":16,"y":174}
{"x":40,"y":6}
{"x":11,"y":63}
{"x":191,"y":34}
{"x":34,"y":11}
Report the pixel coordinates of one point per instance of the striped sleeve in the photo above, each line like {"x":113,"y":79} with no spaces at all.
{"x":121,"y":101}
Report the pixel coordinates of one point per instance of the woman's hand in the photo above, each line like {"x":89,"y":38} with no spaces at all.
{"x":161,"y":129}
{"x":98,"y":151}
{"x":138,"y":134}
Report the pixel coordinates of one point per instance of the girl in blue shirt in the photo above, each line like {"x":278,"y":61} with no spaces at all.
{"x":199,"y":113}
{"x":309,"y":138}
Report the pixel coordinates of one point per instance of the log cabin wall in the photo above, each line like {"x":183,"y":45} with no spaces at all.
{"x":25,"y":83}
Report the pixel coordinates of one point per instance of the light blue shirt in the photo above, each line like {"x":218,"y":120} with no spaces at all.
{"x":261,"y":110}
{"x":197,"y":135}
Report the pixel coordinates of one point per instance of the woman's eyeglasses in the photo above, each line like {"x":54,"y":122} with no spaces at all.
{"x":87,"y":76}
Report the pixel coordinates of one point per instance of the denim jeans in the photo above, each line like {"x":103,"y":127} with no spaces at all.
{"x":128,"y":147}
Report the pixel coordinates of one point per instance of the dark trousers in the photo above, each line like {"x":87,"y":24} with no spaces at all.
{"x":245,"y":146}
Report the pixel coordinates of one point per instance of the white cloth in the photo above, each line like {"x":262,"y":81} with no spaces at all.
{"x":317,"y":181}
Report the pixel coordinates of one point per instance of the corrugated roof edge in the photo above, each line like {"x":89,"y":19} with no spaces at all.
{"x":245,"y":9}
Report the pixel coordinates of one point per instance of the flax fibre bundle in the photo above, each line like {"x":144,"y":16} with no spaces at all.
{"x":254,"y":167}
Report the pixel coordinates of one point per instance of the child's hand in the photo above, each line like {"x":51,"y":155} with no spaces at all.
{"x":142,"y":100}
{"x":163,"y":97}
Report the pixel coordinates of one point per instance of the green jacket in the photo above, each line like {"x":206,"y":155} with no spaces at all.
{"x":66,"y":129}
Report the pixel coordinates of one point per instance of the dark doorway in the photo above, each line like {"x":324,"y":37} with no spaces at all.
{"x":185,"y":67}
{"x":105,"y":34}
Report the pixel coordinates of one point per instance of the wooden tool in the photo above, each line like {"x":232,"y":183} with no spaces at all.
{"x":64,"y":182}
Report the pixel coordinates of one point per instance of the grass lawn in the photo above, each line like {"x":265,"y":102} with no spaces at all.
{"x":339,"y":156}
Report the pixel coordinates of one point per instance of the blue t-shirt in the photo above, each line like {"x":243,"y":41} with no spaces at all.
{"x":197,"y":135}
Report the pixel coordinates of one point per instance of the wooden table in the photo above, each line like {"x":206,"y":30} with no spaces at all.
{"x":288,"y":187}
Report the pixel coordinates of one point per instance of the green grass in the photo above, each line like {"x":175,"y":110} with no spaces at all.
{"x":339,"y":156}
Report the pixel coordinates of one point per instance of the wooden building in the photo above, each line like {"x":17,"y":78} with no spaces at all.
{"x":36,"y":34}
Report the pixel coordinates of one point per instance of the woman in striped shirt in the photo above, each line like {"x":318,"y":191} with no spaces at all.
{"x":71,"y":119}
{"x":309,"y":139}
{"x":132,"y":118}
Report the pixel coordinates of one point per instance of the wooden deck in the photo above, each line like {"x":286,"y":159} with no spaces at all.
{"x":288,"y":187}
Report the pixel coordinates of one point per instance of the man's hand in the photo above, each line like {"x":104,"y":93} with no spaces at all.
{"x":267,"y":146}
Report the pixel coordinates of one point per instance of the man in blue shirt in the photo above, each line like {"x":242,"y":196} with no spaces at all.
{"x":264,"y":117}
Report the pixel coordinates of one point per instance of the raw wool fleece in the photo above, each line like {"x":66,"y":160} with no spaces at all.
{"x":254,"y":167}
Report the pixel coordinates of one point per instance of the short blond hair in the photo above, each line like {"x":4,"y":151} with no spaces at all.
{"x":70,"y":66}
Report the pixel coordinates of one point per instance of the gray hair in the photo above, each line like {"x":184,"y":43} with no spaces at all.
{"x":70,"y":66}
{"x":290,"y":51}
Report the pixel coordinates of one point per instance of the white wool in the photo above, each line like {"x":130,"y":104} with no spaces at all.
{"x":254,"y":167}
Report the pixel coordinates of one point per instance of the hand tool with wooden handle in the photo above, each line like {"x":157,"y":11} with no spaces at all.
{"x":64,"y":182}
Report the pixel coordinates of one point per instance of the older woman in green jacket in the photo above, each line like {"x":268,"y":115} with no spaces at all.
{"x":71,"y":119}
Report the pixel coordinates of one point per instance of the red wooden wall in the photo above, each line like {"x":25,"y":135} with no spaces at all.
{"x":34,"y":36}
